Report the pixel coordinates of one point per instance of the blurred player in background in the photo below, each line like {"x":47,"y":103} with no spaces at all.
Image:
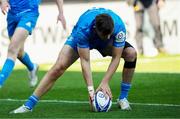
{"x":152,"y":8}
{"x":22,"y":16}
{"x":99,"y":29}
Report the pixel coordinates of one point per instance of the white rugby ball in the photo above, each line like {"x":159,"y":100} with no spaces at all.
{"x":101,"y":103}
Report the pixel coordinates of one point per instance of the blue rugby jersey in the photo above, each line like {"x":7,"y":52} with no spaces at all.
{"x":18,"y":6}
{"x":85,"y":37}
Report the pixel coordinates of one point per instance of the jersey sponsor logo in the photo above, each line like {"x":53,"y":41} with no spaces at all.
{"x":120,"y":37}
{"x":28,"y":24}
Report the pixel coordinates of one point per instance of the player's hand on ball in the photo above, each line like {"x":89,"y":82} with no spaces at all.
{"x":104,"y":87}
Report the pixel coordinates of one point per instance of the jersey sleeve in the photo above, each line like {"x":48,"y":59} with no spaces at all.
{"x":83,"y":41}
{"x":119,"y":36}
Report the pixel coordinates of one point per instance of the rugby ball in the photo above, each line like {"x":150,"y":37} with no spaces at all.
{"x":101,"y":103}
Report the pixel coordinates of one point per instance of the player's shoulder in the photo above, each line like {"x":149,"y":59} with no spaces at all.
{"x":86,"y":19}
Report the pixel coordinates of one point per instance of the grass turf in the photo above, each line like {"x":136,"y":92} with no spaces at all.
{"x":157,"y":80}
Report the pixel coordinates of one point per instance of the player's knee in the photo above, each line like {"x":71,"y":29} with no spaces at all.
{"x":130,"y":59}
{"x":59,"y":70}
{"x":131,"y":55}
{"x":12,"y":50}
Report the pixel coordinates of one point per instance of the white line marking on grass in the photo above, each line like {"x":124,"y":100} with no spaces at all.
{"x":155,"y":104}
{"x":86,"y":102}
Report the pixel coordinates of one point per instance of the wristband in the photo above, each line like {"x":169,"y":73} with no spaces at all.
{"x":90,"y":88}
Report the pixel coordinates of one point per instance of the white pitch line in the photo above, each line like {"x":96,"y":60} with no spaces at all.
{"x":86,"y":102}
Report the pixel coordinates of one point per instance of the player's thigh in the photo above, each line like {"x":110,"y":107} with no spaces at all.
{"x":66,"y":57}
{"x":26,"y":23}
{"x":19,"y":36}
{"x":154,"y":15}
{"x":18,"y":39}
{"x":139,"y":18}
{"x":129,"y":53}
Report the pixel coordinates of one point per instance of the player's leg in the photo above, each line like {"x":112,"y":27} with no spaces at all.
{"x":24,"y":58}
{"x":139,"y":18}
{"x":18,"y":31}
{"x":129,"y":54}
{"x":66,"y":57}
{"x":17,"y":41}
{"x":155,"y":21}
{"x":28,"y":21}
{"x":32,"y":67}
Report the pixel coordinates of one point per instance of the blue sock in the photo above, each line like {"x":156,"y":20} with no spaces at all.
{"x":27,"y":62}
{"x":31,"y":102}
{"x":6,"y":70}
{"x":125,"y":87}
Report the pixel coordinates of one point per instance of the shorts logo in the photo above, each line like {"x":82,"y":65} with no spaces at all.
{"x":70,"y":38}
{"x":120,"y":37}
{"x":28,"y":24}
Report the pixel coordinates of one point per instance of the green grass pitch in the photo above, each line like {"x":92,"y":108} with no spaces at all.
{"x":155,"y":92}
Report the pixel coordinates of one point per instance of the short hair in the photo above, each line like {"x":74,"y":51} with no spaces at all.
{"x":104,"y":24}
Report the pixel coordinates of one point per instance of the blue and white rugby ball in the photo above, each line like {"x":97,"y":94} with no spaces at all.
{"x":101,"y":103}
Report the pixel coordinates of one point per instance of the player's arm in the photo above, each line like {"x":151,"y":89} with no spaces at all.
{"x":4,"y":6}
{"x":116,"y":55}
{"x":84,"y":54}
{"x":117,"y":49}
{"x":61,"y":13}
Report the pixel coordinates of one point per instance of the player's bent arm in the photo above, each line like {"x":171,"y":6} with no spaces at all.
{"x":104,"y":86}
{"x":116,"y":55}
{"x":84,"y":54}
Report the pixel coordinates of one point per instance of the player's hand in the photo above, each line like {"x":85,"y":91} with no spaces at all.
{"x":104,"y":87}
{"x":91,"y":103}
{"x":91,"y":97}
{"x":62,"y":19}
{"x":5,"y":7}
